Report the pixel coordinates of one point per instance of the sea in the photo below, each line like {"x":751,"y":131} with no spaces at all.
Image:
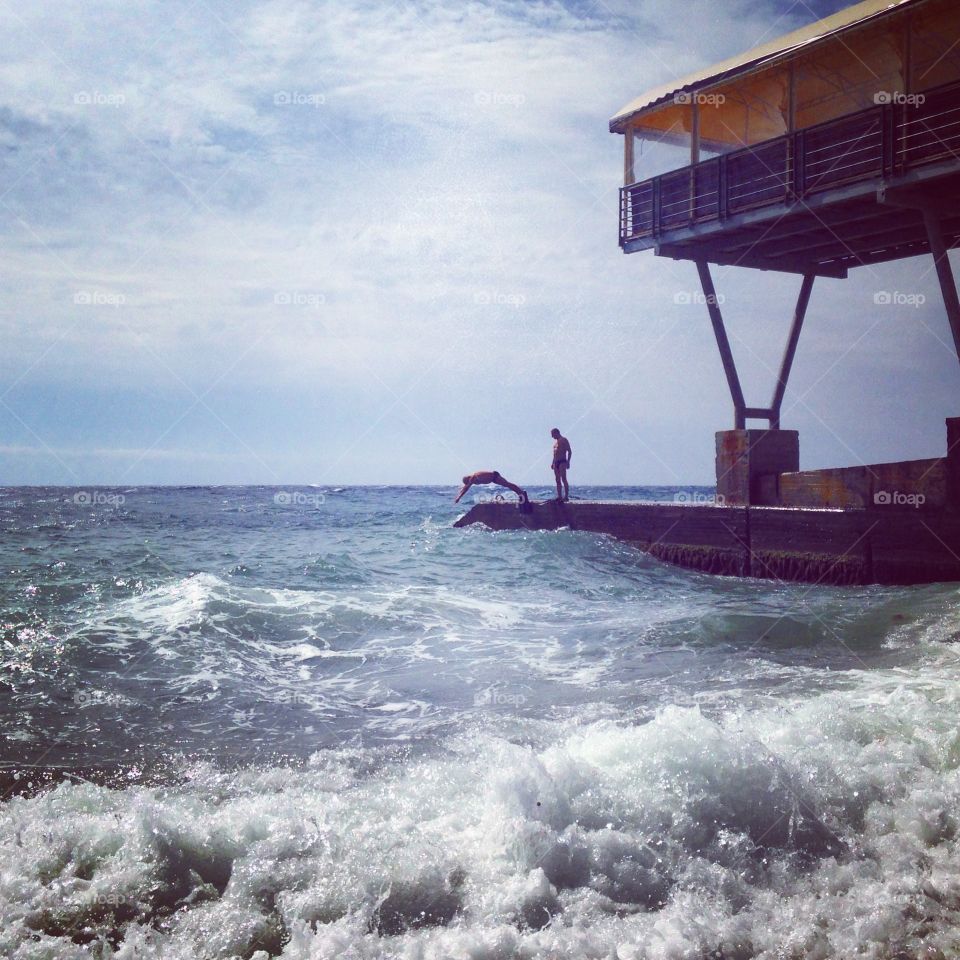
{"x":321,"y":722}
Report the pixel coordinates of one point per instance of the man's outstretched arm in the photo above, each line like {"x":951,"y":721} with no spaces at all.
{"x":463,"y":490}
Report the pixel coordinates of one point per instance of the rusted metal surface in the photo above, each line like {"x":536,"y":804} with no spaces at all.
{"x":921,"y":484}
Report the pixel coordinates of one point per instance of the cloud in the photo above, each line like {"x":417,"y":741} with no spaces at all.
{"x":352,"y":201}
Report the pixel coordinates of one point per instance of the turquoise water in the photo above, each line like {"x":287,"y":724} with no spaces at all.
{"x":318,"y":722}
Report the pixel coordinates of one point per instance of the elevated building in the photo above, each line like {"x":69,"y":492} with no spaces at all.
{"x":831,"y":148}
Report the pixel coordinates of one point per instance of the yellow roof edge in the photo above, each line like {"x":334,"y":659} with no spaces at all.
{"x":772,"y":50}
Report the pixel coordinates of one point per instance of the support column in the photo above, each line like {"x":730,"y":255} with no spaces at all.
{"x":953,"y":462}
{"x":628,"y":147}
{"x":749,"y":464}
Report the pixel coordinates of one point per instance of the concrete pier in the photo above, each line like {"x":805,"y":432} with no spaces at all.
{"x":894,"y":523}
{"x":886,"y":543}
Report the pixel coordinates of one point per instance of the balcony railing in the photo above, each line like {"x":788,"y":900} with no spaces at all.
{"x":881,"y":142}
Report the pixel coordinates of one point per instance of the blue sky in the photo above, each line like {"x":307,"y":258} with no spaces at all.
{"x":354,"y":242}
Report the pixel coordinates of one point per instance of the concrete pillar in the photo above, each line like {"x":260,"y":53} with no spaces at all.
{"x":953,"y":462}
{"x":749,"y":464}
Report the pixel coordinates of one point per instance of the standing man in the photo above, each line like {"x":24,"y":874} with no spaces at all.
{"x":561,"y":463}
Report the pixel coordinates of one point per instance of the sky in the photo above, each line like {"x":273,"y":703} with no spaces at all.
{"x":359,"y":242}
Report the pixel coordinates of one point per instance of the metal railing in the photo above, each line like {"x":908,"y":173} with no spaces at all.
{"x":880,"y":142}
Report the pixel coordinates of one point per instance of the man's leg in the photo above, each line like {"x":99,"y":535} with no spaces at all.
{"x":522,"y":494}
{"x":556,"y":473}
{"x":566,"y":485}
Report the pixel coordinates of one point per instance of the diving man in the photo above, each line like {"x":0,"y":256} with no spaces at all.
{"x":490,"y":476}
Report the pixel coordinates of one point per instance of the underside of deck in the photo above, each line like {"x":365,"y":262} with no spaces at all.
{"x":848,"y":229}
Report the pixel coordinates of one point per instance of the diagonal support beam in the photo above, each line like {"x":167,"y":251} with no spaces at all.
{"x":948,"y":286}
{"x":806,"y":288}
{"x":934,"y":209}
{"x":723,"y":344}
{"x":741,"y":411}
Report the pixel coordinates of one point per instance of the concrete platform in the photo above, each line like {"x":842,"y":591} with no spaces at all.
{"x":886,"y":544}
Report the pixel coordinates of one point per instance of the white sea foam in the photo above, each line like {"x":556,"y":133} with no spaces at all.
{"x":824,"y":827}
{"x":411,"y":624}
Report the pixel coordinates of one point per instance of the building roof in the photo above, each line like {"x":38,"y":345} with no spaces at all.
{"x":760,"y":56}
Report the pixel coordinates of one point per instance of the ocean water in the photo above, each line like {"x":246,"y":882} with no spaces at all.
{"x":321,"y":722}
